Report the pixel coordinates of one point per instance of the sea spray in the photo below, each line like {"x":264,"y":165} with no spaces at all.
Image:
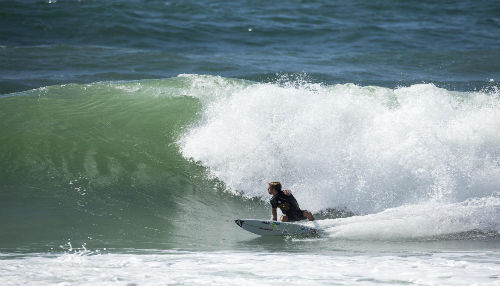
{"x":367,"y":149}
{"x":429,"y":220}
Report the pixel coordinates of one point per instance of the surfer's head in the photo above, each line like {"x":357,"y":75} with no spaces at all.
{"x":274,"y":187}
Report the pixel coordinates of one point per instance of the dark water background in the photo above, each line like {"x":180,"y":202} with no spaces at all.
{"x":453,"y":44}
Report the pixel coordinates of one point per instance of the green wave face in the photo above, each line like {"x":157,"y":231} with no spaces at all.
{"x":170,"y":163}
{"x":99,"y":164}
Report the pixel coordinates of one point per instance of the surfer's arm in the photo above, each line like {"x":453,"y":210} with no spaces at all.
{"x":275,"y":214}
{"x":287,"y":192}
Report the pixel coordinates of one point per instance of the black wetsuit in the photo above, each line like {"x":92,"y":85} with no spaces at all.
{"x":288,"y":206}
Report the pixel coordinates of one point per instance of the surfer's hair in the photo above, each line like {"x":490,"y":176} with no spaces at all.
{"x":275,"y":186}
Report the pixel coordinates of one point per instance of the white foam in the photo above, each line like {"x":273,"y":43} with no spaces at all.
{"x":365,"y":148}
{"x":245,"y":268}
{"x":425,"y":220}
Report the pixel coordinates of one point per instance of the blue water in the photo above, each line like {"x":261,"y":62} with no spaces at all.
{"x":386,"y":43}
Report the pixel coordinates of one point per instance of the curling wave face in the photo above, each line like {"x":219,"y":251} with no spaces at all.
{"x":100,"y":161}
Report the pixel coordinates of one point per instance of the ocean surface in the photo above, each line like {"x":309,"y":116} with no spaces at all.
{"x":133,"y":133}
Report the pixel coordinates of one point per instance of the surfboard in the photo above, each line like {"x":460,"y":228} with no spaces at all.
{"x":276,"y":228}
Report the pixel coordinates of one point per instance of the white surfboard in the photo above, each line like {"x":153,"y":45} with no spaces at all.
{"x":271,"y":227}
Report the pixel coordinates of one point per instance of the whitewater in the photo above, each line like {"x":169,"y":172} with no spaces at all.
{"x":422,"y":155}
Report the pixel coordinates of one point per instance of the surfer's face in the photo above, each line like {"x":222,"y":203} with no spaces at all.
{"x":270,"y":191}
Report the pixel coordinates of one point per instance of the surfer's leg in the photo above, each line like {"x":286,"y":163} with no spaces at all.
{"x":284,"y":218}
{"x":308,"y":215}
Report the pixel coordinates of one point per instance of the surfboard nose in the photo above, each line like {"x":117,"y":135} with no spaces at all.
{"x":239,"y":222}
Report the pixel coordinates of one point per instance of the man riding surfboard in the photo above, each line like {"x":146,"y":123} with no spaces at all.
{"x":287,"y":204}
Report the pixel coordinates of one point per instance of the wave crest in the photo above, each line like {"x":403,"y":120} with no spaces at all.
{"x":364,"y":148}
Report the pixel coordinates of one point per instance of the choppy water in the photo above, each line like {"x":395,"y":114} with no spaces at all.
{"x":388,"y":43}
{"x":132,"y":134}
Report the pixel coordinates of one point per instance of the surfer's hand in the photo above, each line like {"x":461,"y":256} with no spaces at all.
{"x":287,"y":192}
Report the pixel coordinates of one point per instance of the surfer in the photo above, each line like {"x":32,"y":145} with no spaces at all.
{"x":287,"y":204}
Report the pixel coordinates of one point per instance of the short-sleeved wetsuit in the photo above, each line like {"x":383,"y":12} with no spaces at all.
{"x":288,"y":206}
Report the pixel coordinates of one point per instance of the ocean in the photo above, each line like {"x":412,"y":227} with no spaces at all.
{"x":133,"y":134}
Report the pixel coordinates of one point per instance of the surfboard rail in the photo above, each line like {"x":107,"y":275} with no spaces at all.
{"x":276,"y":228}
